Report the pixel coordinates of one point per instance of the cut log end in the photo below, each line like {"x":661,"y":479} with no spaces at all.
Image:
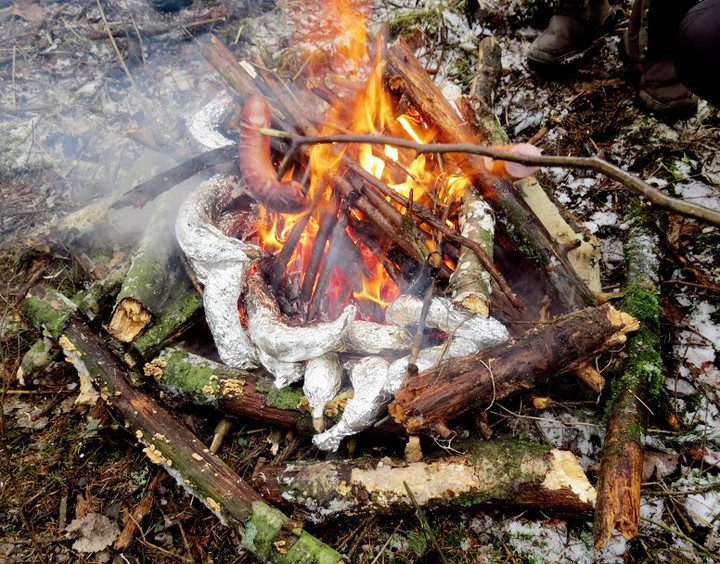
{"x":129,"y":319}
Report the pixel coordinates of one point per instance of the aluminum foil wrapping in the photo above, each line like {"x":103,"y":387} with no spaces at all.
{"x":285,"y":373}
{"x":429,"y":358}
{"x":443,"y":315}
{"x":368,"y":337}
{"x":369,"y":378}
{"x":203,"y":126}
{"x":288,"y":343}
{"x":220,"y":263}
{"x":323,"y":376}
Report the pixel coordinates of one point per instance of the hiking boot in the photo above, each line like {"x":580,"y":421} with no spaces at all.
{"x":570,"y":33}
{"x":649,"y":47}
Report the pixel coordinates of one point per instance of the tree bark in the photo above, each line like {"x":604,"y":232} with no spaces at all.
{"x":433,"y":398}
{"x":265,"y":530}
{"x":501,"y":473}
{"x":641,"y":385}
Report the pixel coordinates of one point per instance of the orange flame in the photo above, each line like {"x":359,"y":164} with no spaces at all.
{"x":341,"y":32}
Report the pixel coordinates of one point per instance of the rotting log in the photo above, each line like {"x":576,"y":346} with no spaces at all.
{"x":638,"y":389}
{"x":265,"y":531}
{"x":430,"y":399}
{"x":501,"y":473}
{"x":405,"y":76}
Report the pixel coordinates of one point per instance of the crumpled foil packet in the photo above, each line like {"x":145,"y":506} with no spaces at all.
{"x":221,"y":264}
{"x":405,"y":310}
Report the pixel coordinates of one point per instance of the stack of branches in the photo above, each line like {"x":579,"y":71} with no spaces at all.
{"x":154,"y":302}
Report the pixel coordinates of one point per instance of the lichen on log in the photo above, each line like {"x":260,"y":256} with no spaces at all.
{"x":504,"y":472}
{"x":169,"y":443}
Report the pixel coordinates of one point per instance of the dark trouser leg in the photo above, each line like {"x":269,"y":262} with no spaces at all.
{"x":650,"y":46}
{"x":697,"y":51}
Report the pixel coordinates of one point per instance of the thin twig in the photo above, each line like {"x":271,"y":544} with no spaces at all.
{"x":425,"y":523}
{"x":610,"y":170}
{"x":683,"y":536}
{"x":117,"y":50}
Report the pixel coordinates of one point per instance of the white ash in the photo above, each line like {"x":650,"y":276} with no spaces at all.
{"x":405,"y":311}
{"x":323,"y":376}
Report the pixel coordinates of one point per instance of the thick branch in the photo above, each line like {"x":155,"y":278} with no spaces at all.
{"x":505,"y":472}
{"x":432,"y":398}
{"x":266,"y":531}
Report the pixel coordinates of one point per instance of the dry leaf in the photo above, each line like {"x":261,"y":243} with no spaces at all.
{"x":94,"y":532}
{"x":28,"y":11}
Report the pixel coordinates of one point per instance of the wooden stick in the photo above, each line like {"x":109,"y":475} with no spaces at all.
{"x":433,"y":398}
{"x":266,"y":531}
{"x":620,"y":473}
{"x":501,"y":472}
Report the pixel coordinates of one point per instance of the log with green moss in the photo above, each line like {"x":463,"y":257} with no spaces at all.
{"x":92,"y":302}
{"x":265,"y":531}
{"x":431,"y":399}
{"x":638,"y":389}
{"x":501,"y":473}
{"x":239,"y":393}
{"x":145,"y":288}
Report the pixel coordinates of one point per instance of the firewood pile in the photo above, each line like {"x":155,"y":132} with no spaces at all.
{"x":351,"y":285}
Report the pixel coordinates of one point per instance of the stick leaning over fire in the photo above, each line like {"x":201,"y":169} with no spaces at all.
{"x":610,"y":170}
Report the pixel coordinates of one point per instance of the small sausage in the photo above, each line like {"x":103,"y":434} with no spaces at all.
{"x":284,"y":196}
{"x":510,"y":170}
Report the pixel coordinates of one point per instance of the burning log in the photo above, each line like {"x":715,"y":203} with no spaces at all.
{"x":620,"y":476}
{"x":502,"y":473}
{"x":431,"y":399}
{"x":405,"y":76}
{"x":265,"y":530}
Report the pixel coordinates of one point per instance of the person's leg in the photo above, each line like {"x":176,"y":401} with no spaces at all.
{"x":697,"y":51}
{"x":570,"y":34}
{"x":649,"y":43}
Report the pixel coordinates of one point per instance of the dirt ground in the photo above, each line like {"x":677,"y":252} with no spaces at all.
{"x":83,"y":116}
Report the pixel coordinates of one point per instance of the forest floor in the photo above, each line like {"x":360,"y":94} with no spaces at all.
{"x":82,"y":116}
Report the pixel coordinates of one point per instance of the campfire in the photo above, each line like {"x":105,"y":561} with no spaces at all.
{"x":330,"y":263}
{"x":355,"y":250}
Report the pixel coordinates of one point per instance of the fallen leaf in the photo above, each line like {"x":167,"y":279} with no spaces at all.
{"x":94,"y":532}
{"x":28,"y":11}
